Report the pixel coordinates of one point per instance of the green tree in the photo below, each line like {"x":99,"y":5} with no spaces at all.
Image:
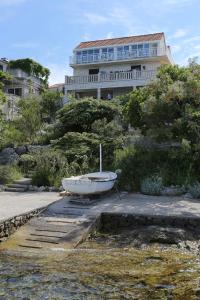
{"x":168,"y":108}
{"x":28,"y":122}
{"x":79,"y":115}
{"x":50,"y":102}
{"x":167,"y":114}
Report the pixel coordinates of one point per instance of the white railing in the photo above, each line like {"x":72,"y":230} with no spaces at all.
{"x":117,"y":55}
{"x":109,"y":77}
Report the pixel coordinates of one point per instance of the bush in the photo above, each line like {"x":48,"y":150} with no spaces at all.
{"x":27,"y":162}
{"x":175,"y":165}
{"x":152,"y":186}
{"x":195,"y":190}
{"x":8,"y":174}
{"x":50,"y":168}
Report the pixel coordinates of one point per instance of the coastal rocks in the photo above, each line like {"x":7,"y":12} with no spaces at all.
{"x":163,"y":235}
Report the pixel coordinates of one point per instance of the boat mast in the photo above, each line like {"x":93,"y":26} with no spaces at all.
{"x":100,"y":155}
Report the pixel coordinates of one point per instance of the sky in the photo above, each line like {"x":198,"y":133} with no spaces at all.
{"x":48,"y":30}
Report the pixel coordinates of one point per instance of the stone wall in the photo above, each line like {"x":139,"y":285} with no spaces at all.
{"x":9,"y":226}
{"x":114,"y":222}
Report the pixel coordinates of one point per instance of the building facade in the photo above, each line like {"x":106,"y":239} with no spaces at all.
{"x":20,"y":86}
{"x":104,"y":69}
{"x":58,"y":87}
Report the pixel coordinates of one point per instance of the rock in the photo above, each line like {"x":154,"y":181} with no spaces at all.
{"x":53,"y":189}
{"x":61,"y":189}
{"x":37,"y":148}
{"x":64,"y":193}
{"x":163,"y":235}
{"x":41,"y":189}
{"x":172,"y":191}
{"x":8,"y":156}
{"x":2,"y":188}
{"x":187,"y":196}
{"x":21,"y":150}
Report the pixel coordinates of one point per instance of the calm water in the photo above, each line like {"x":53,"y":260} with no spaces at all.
{"x":102,"y":271}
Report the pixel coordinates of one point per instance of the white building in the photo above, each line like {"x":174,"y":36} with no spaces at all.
{"x":21,"y":85}
{"x":107,"y":68}
{"x":58,"y":87}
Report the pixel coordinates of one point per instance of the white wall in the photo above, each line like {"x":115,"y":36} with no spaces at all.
{"x":115,"y":67}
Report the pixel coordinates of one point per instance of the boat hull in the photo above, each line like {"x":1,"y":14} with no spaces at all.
{"x":93,"y":183}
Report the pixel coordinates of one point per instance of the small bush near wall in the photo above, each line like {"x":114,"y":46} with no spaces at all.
{"x":194,"y":190}
{"x":8,"y":174}
{"x":152,"y":186}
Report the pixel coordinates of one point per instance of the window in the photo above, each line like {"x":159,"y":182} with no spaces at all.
{"x":96,"y":54}
{"x":110,"y":53}
{"x":104,"y":53}
{"x":123,"y":52}
{"x":84,"y":56}
{"x":146,"y":50}
{"x":136,"y":67}
{"x":16,"y":91}
{"x":134,"y":51}
{"x":93,"y":71}
{"x":154,"y":49}
{"x":1,"y":68}
{"x":11,"y":91}
{"x":78,"y":57}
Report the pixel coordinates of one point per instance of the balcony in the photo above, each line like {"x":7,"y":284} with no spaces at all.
{"x":120,"y":79}
{"x":118,"y":56}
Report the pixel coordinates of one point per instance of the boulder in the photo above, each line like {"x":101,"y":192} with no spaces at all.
{"x":21,"y":150}
{"x":172,"y":191}
{"x":8,"y":156}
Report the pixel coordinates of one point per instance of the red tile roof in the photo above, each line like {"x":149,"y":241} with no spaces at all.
{"x":122,"y":40}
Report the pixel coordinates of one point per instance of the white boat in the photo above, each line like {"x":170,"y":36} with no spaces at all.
{"x":92,"y":183}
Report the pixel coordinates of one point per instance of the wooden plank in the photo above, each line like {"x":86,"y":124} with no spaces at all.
{"x":76,"y":207}
{"x":42,"y":241}
{"x":49,"y":230}
{"x":42,"y":235}
{"x":27,"y":246}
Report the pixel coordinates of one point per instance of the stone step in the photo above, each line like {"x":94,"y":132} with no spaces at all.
{"x":15,"y":189}
{"x":24,"y":181}
{"x":17,"y":185}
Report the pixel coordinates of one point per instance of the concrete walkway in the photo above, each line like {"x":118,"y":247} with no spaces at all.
{"x":64,"y":224}
{"x":15,"y":204}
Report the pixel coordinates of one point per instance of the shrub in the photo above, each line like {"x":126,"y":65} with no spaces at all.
{"x":195,"y":190}
{"x":8,"y":174}
{"x":152,"y":186}
{"x":175,"y":165}
{"x":27,"y":162}
{"x":51,"y":166}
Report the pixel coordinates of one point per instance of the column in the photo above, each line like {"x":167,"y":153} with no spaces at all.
{"x":65,"y":99}
{"x":98,"y":93}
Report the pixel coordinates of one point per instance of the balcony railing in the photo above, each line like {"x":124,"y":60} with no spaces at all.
{"x":117,"y":56}
{"x":110,"y":77}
